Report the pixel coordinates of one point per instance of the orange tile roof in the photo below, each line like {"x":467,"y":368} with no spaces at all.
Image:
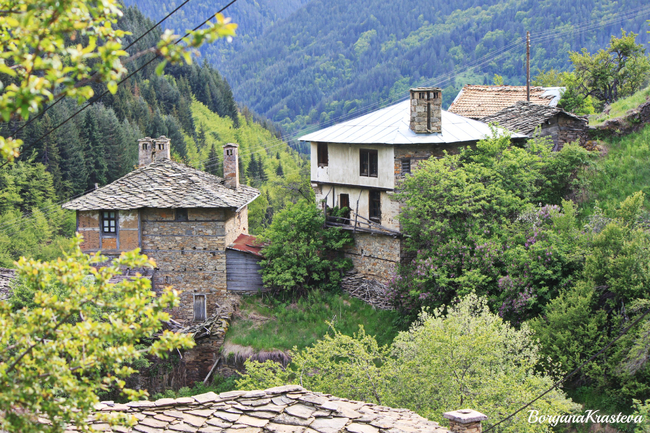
{"x":477,"y":102}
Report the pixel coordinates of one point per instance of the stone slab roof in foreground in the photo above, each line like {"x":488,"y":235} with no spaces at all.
{"x":476,"y":101}
{"x":165,"y":184}
{"x":6,"y":277}
{"x":285,"y":409}
{"x":524,"y":116}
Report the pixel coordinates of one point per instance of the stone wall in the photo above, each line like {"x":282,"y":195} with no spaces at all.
{"x":375,"y":256}
{"x":190,"y":255}
{"x":126,"y":238}
{"x":421,"y":152}
{"x":633,"y":121}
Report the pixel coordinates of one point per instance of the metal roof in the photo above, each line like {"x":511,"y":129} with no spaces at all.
{"x":390,"y":125}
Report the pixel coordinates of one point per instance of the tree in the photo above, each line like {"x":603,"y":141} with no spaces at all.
{"x":51,"y":49}
{"x":55,"y":358}
{"x":301,"y":254}
{"x":464,"y":358}
{"x":615,"y":72}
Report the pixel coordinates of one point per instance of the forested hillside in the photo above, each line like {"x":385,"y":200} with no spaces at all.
{"x":333,"y":58}
{"x":192,"y":105}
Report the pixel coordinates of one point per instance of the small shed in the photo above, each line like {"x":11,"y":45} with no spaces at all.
{"x":243,"y":269}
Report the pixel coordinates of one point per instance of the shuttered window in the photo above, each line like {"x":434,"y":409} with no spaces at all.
{"x":406,"y":166}
{"x":199,"y":308}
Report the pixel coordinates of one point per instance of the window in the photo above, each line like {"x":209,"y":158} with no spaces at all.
{"x":344,"y":203}
{"x":109,"y":222}
{"x":323,"y":157}
{"x":375,"y":206}
{"x":406,"y":166}
{"x":369,"y":164}
{"x":199,"y":308}
{"x":181,"y":215}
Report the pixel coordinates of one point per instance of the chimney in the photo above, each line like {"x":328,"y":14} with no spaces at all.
{"x":465,"y":421}
{"x":153,"y":149}
{"x":231,"y":165}
{"x":426,"y":110}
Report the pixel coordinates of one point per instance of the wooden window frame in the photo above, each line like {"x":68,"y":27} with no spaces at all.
{"x":205,"y":307}
{"x":107,"y":219}
{"x":372,"y":216}
{"x":322,"y":154}
{"x":368,"y":163}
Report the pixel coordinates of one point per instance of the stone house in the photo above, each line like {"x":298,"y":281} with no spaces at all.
{"x":477,"y":102}
{"x":524,"y":117}
{"x":359,"y":164}
{"x":181,"y":217}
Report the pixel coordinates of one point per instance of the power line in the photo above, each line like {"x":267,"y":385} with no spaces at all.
{"x":559,"y":382}
{"x":92,"y":101}
{"x":45,"y":110}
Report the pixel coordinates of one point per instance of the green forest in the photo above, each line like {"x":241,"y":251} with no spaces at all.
{"x":192,"y":105}
{"x":332,"y":59}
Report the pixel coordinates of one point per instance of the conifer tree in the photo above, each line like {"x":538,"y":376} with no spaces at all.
{"x":212,"y":165}
{"x":94,"y":151}
{"x":279,"y":170}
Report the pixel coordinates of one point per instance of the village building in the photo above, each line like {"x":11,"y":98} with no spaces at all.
{"x":181,"y":217}
{"x":525,"y":117}
{"x":359,"y":164}
{"x":477,"y":102}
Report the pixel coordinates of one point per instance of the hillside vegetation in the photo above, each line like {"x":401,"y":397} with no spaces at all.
{"x":334,"y":58}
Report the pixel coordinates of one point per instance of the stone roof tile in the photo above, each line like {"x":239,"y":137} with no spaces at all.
{"x":476,"y":101}
{"x":207,"y":414}
{"x":524,"y":117}
{"x":165,"y":184}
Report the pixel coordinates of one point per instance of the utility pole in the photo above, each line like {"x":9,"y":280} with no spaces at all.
{"x":528,"y":66}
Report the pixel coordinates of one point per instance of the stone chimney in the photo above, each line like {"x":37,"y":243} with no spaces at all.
{"x":153,"y":149}
{"x":231,"y":165}
{"x":465,"y":421}
{"x":426,"y":110}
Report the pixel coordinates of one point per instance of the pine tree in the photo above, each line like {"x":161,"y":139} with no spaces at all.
{"x":279,"y":170}
{"x":212,"y":165}
{"x":94,"y":150}
{"x":242,"y":173}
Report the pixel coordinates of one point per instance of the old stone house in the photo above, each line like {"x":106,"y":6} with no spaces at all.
{"x":477,"y":102}
{"x":358,"y":164}
{"x":525,"y":117}
{"x":181,"y":217}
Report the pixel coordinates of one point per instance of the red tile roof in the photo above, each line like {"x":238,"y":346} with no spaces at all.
{"x":477,"y":102}
{"x":247,"y":244}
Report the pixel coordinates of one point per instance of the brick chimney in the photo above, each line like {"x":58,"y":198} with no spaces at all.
{"x":231,"y":165}
{"x":465,"y":421}
{"x":153,"y":149}
{"x":426,"y":110}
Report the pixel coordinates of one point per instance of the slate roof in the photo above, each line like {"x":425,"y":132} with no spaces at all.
{"x":524,"y":117}
{"x":165,"y":184}
{"x":476,"y":101}
{"x":285,"y":409}
{"x":247,"y":244}
{"x":6,"y":277}
{"x":390,"y":125}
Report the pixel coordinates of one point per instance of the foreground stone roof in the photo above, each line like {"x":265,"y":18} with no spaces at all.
{"x":476,"y":101}
{"x":524,"y":116}
{"x":286,"y":409}
{"x":165,"y":184}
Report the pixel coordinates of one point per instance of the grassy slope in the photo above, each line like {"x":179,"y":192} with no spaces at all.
{"x":272,"y":325}
{"x":620,"y":107}
{"x":620,"y":173}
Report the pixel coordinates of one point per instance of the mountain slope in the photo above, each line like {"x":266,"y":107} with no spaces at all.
{"x":332,"y":58}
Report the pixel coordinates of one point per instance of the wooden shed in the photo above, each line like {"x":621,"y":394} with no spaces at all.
{"x":243,"y":268}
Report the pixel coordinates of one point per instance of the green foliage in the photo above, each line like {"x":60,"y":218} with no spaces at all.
{"x":301,"y":255}
{"x":472,"y":225}
{"x":55,"y":358}
{"x":218,"y":385}
{"x":467,"y":357}
{"x":267,"y":323}
{"x":40,"y":62}
{"x":612,"y":73}
{"x":621,"y":107}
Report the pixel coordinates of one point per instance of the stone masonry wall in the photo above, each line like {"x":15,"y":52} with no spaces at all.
{"x":419,"y":153}
{"x":190,"y":255}
{"x":375,"y":256}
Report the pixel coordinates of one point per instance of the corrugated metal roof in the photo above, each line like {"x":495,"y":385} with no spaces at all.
{"x":390,"y":125}
{"x":247,"y":244}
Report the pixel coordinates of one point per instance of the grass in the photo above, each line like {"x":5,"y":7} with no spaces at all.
{"x":219,"y":384}
{"x":620,"y":107}
{"x":267,"y":324}
{"x":622,"y":172}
